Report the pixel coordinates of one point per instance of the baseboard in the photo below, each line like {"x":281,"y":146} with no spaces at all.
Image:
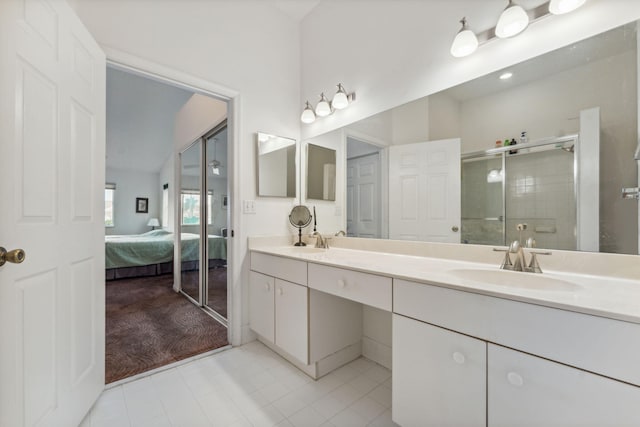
{"x":322,"y":367}
{"x":377,"y":352}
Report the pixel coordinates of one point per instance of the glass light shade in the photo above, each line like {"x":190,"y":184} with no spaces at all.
{"x":215,"y":170}
{"x":558,"y":7}
{"x":308,"y":116}
{"x":513,"y":21}
{"x":464,"y":44}
{"x":340,"y":99}
{"x":323,"y":108}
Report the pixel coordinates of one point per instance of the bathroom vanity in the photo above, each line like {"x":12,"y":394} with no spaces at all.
{"x":472,"y":345}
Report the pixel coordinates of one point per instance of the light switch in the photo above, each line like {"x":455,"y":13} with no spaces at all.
{"x":249,"y":206}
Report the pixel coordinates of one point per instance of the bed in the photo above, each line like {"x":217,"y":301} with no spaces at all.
{"x":151,"y":253}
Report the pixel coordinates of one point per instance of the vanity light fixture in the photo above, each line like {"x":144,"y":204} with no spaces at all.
{"x":466,"y":41}
{"x":558,"y":7}
{"x":308,"y":115}
{"x":512,"y":21}
{"x":340,"y":101}
{"x":323,"y":107}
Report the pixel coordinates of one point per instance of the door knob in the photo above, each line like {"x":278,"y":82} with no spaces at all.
{"x":455,"y":228}
{"x":15,"y":256}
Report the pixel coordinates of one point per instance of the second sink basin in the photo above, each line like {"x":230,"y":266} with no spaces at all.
{"x":514,"y":279}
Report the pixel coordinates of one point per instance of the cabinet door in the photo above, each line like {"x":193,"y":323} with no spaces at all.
{"x":261,"y":304}
{"x":439,"y":376}
{"x":528,"y":391}
{"x":292,"y":319}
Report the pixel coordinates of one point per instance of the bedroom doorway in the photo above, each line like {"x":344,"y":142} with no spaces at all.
{"x":149,"y":324}
{"x":203,"y":222}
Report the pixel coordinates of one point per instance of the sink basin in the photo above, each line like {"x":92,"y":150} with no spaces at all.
{"x":513,"y":279}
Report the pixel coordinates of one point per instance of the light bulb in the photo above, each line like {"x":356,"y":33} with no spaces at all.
{"x":513,"y":21}
{"x":308,"y":116}
{"x":558,"y":7}
{"x":465,"y":42}
{"x":340,"y":99}
{"x":323,"y":108}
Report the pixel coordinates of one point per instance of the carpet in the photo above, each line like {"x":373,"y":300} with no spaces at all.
{"x":148,"y":325}
{"x":217,"y":288}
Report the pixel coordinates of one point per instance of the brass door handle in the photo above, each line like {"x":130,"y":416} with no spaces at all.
{"x":15,"y":256}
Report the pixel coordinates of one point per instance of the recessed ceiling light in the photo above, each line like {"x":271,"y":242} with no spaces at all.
{"x":506,"y":76}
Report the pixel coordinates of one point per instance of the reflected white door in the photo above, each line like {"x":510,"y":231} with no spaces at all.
{"x":363,"y":196}
{"x":52,"y":163}
{"x":424,"y":191}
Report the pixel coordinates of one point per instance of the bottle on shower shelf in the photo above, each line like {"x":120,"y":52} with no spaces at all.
{"x":523,"y":137}
{"x":513,"y":142}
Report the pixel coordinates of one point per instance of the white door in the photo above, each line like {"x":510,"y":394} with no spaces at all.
{"x":424,"y":191}
{"x":363,"y":196}
{"x":52,"y":162}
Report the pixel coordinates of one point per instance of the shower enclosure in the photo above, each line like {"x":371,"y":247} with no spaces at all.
{"x":533,"y":183}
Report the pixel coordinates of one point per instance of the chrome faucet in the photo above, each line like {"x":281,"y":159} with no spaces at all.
{"x":321,"y":242}
{"x":520,"y":263}
{"x":340,"y":233}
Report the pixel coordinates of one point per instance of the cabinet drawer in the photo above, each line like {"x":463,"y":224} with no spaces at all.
{"x":597,"y":344}
{"x":369,"y":289}
{"x":287,"y":269}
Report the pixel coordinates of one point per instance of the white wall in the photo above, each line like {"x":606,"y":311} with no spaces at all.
{"x":248,"y":47}
{"x":130,"y":185}
{"x":398,"y":51}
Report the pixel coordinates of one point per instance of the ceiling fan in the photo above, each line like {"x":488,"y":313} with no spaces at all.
{"x":214,"y":164}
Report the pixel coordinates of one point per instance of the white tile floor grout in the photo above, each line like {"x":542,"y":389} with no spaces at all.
{"x":248,"y":386}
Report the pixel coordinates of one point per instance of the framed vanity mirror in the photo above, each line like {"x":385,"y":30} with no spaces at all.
{"x":321,"y":173}
{"x":583,"y":97}
{"x":276,"y":166}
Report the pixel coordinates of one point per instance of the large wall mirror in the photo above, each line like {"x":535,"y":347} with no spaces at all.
{"x":276,"y":166}
{"x":580,"y":96}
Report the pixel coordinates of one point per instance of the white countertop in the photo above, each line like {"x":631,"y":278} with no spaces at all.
{"x":604,"y":296}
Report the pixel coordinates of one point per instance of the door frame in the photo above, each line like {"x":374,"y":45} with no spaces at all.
{"x":135,"y":65}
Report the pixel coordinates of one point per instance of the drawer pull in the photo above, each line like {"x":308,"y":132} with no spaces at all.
{"x":342,"y":283}
{"x":515,"y":380}
{"x":267,"y":286}
{"x":280,"y":291}
{"x":458,"y":358}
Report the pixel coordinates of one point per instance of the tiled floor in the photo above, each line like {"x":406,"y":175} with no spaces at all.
{"x":249,"y":386}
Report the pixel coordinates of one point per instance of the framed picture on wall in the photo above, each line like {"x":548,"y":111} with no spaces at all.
{"x":142,"y":205}
{"x":224,"y":201}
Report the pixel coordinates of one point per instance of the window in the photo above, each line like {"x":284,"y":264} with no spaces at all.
{"x":165,"y":206}
{"x":109,"y":195}
{"x":191,"y":207}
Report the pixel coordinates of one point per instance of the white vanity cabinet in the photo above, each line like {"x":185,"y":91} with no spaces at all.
{"x":525,"y":390}
{"x":562,"y":375}
{"x":278,"y":309}
{"x":439,"y":376}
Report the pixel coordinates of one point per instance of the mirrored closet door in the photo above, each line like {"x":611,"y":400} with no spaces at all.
{"x":203,"y":224}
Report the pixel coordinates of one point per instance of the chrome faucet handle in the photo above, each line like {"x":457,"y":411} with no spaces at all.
{"x":506,"y":261}
{"x":534,"y":266}
{"x":340,"y":233}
